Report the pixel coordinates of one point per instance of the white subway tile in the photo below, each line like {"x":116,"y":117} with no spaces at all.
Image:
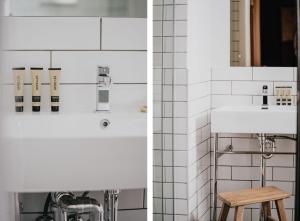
{"x":235,"y":160}
{"x":133,"y":215}
{"x":221,"y":87}
{"x":226,"y":100}
{"x":82,"y":98}
{"x":273,"y":73}
{"x":250,"y":87}
{"x":25,"y":59}
{"x":52,"y":33}
{"x":81,"y":66}
{"x":284,"y":174}
{"x":232,"y":73}
{"x":124,"y":34}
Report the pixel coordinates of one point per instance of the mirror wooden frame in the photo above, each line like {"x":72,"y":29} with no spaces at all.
{"x":297,"y":184}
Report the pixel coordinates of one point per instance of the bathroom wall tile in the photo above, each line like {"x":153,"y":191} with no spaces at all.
{"x":157,"y":44}
{"x":180,"y":93}
{"x":81,"y":66}
{"x":180,"y":125}
{"x":157,"y":12}
{"x":132,"y":215}
{"x":180,"y":44}
{"x":232,"y":73}
{"x":181,"y":206}
{"x":199,"y":105}
{"x":26,"y":59}
{"x":133,"y":97}
{"x":124,"y":34}
{"x":249,"y":173}
{"x":225,"y":100}
{"x":227,"y":185}
{"x":180,"y":12}
{"x":180,"y":76}
{"x":180,"y":28}
{"x":168,"y":12}
{"x":157,"y":28}
{"x":250,"y":87}
{"x":198,"y":90}
{"x":273,"y":73}
{"x":221,"y":87}
{"x":285,"y":174}
{"x":180,"y":109}
{"x":235,"y":160}
{"x":168,"y":28}
{"x":180,"y":174}
{"x":52,"y":33}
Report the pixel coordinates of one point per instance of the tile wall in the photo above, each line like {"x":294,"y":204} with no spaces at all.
{"x":78,"y":45}
{"x":181,"y":111}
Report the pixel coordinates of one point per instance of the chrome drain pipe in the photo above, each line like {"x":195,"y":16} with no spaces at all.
{"x":111,"y":202}
{"x":68,"y":203}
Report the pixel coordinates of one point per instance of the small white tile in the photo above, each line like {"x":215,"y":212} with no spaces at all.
{"x":180,"y":28}
{"x":180,"y":175}
{"x":273,"y":73}
{"x":180,"y":93}
{"x":180,"y":44}
{"x":168,"y":12}
{"x":124,"y":34}
{"x":181,"y":206}
{"x":168,"y":28}
{"x":42,"y":33}
{"x":157,"y":12}
{"x":180,"y":12}
{"x":157,"y":28}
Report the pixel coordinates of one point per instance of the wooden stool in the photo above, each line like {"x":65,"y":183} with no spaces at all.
{"x":240,"y":199}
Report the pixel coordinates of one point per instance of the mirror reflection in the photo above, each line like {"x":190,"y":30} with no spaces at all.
{"x":263,"y":33}
{"x":103,"y":8}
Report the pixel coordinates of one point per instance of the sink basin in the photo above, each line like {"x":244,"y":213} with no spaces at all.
{"x":73,"y":152}
{"x":253,"y":119}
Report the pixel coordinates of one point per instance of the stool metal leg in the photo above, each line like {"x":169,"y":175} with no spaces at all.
{"x":215,"y":177}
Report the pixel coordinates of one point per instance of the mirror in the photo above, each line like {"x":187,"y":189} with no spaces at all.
{"x":103,"y":8}
{"x":263,"y":33}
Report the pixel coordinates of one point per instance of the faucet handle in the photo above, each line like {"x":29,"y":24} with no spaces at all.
{"x":103,"y":71}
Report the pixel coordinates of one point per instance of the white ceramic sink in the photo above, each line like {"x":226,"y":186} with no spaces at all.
{"x":253,"y":119}
{"x":57,"y":152}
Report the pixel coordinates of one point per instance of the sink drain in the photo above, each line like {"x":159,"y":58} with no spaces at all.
{"x":104,"y":124}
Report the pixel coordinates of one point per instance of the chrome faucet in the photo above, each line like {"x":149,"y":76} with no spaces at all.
{"x":265,"y":97}
{"x":103,"y":89}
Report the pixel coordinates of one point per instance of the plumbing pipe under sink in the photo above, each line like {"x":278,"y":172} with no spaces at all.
{"x":67,"y":203}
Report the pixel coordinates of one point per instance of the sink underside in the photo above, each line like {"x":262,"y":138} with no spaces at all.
{"x":254,"y":119}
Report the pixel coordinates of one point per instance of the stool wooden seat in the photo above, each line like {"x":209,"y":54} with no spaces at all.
{"x":242,"y":198}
